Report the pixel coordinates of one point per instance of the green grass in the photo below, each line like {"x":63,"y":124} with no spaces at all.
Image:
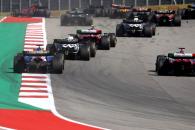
{"x":11,"y":42}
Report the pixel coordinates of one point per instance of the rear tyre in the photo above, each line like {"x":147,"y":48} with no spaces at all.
{"x":93,"y":49}
{"x":89,"y":21}
{"x":58,"y":63}
{"x":51,"y":48}
{"x":85,"y":52}
{"x":63,"y":20}
{"x":119,"y":30}
{"x":113,"y":40}
{"x":19,"y":64}
{"x":160,"y":62}
{"x":177,"y":20}
{"x":105,"y":42}
{"x":148,"y":32}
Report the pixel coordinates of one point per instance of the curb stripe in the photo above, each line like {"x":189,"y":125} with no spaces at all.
{"x":33,"y":86}
{"x":40,"y":77}
{"x":29,"y":81}
{"x":41,"y":91}
{"x":33,"y":96}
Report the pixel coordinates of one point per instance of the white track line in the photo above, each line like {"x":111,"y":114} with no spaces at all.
{"x":28,"y":89}
{"x":53,"y":109}
{"x":3,"y":19}
{"x":5,"y":128}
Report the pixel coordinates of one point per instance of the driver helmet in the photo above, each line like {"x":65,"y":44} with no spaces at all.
{"x":38,"y":49}
{"x":92,"y":27}
{"x":70,"y":38}
{"x":136,"y":18}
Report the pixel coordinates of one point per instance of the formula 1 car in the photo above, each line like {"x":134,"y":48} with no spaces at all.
{"x":175,"y":63}
{"x":38,"y":62}
{"x":103,"y":41}
{"x":135,"y":27}
{"x":97,"y":11}
{"x":168,"y":18}
{"x":72,"y":47}
{"x":189,"y":13}
{"x":76,"y":17}
{"x":119,"y":11}
{"x":34,"y":11}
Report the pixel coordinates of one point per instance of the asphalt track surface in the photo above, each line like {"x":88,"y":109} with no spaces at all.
{"x":118,"y":89}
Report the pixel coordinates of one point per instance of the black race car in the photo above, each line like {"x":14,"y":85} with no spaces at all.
{"x":135,"y":27}
{"x":76,"y":17}
{"x":97,"y":11}
{"x":38,"y":62}
{"x":72,"y":47}
{"x":188,"y":13}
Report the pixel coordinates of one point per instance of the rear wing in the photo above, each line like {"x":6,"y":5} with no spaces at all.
{"x":181,"y":55}
{"x":36,"y":53}
{"x":115,"y":6}
{"x":88,"y":31}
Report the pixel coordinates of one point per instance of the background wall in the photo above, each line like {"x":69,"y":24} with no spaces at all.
{"x":8,"y":5}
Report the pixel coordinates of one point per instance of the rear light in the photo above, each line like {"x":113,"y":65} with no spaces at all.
{"x":193,"y":55}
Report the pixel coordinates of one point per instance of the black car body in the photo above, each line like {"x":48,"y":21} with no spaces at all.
{"x":76,"y":18}
{"x":188,"y":13}
{"x":73,"y":48}
{"x":136,"y":25}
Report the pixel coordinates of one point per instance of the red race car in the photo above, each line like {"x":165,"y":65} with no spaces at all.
{"x":168,"y":18}
{"x":177,"y":63}
{"x":34,"y":11}
{"x":103,"y":41}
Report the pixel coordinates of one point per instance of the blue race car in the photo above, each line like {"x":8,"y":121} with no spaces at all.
{"x":38,"y":61}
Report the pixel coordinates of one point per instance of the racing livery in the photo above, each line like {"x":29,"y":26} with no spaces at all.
{"x":76,"y":17}
{"x":72,"y":47}
{"x":35,"y":10}
{"x":119,"y":11}
{"x":176,"y":63}
{"x":168,"y":18}
{"x":38,"y":61}
{"x":189,"y":13}
{"x":102,"y":41}
{"x":135,"y":27}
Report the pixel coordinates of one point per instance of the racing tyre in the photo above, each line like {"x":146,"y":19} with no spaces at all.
{"x":148,"y":32}
{"x":177,"y":20}
{"x":93,"y":49}
{"x":85,"y":52}
{"x":63,"y":20}
{"x":58,"y":63}
{"x":153,"y":29}
{"x":51,"y":48}
{"x":89,"y":21}
{"x":19,"y":64}
{"x":119,"y":30}
{"x":113,"y":40}
{"x":105,"y":42}
{"x":160,"y":62}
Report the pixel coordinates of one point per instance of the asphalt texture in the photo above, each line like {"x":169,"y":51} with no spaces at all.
{"x":119,"y":90}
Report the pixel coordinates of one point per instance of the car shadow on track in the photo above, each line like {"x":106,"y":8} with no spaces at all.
{"x":154,"y":73}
